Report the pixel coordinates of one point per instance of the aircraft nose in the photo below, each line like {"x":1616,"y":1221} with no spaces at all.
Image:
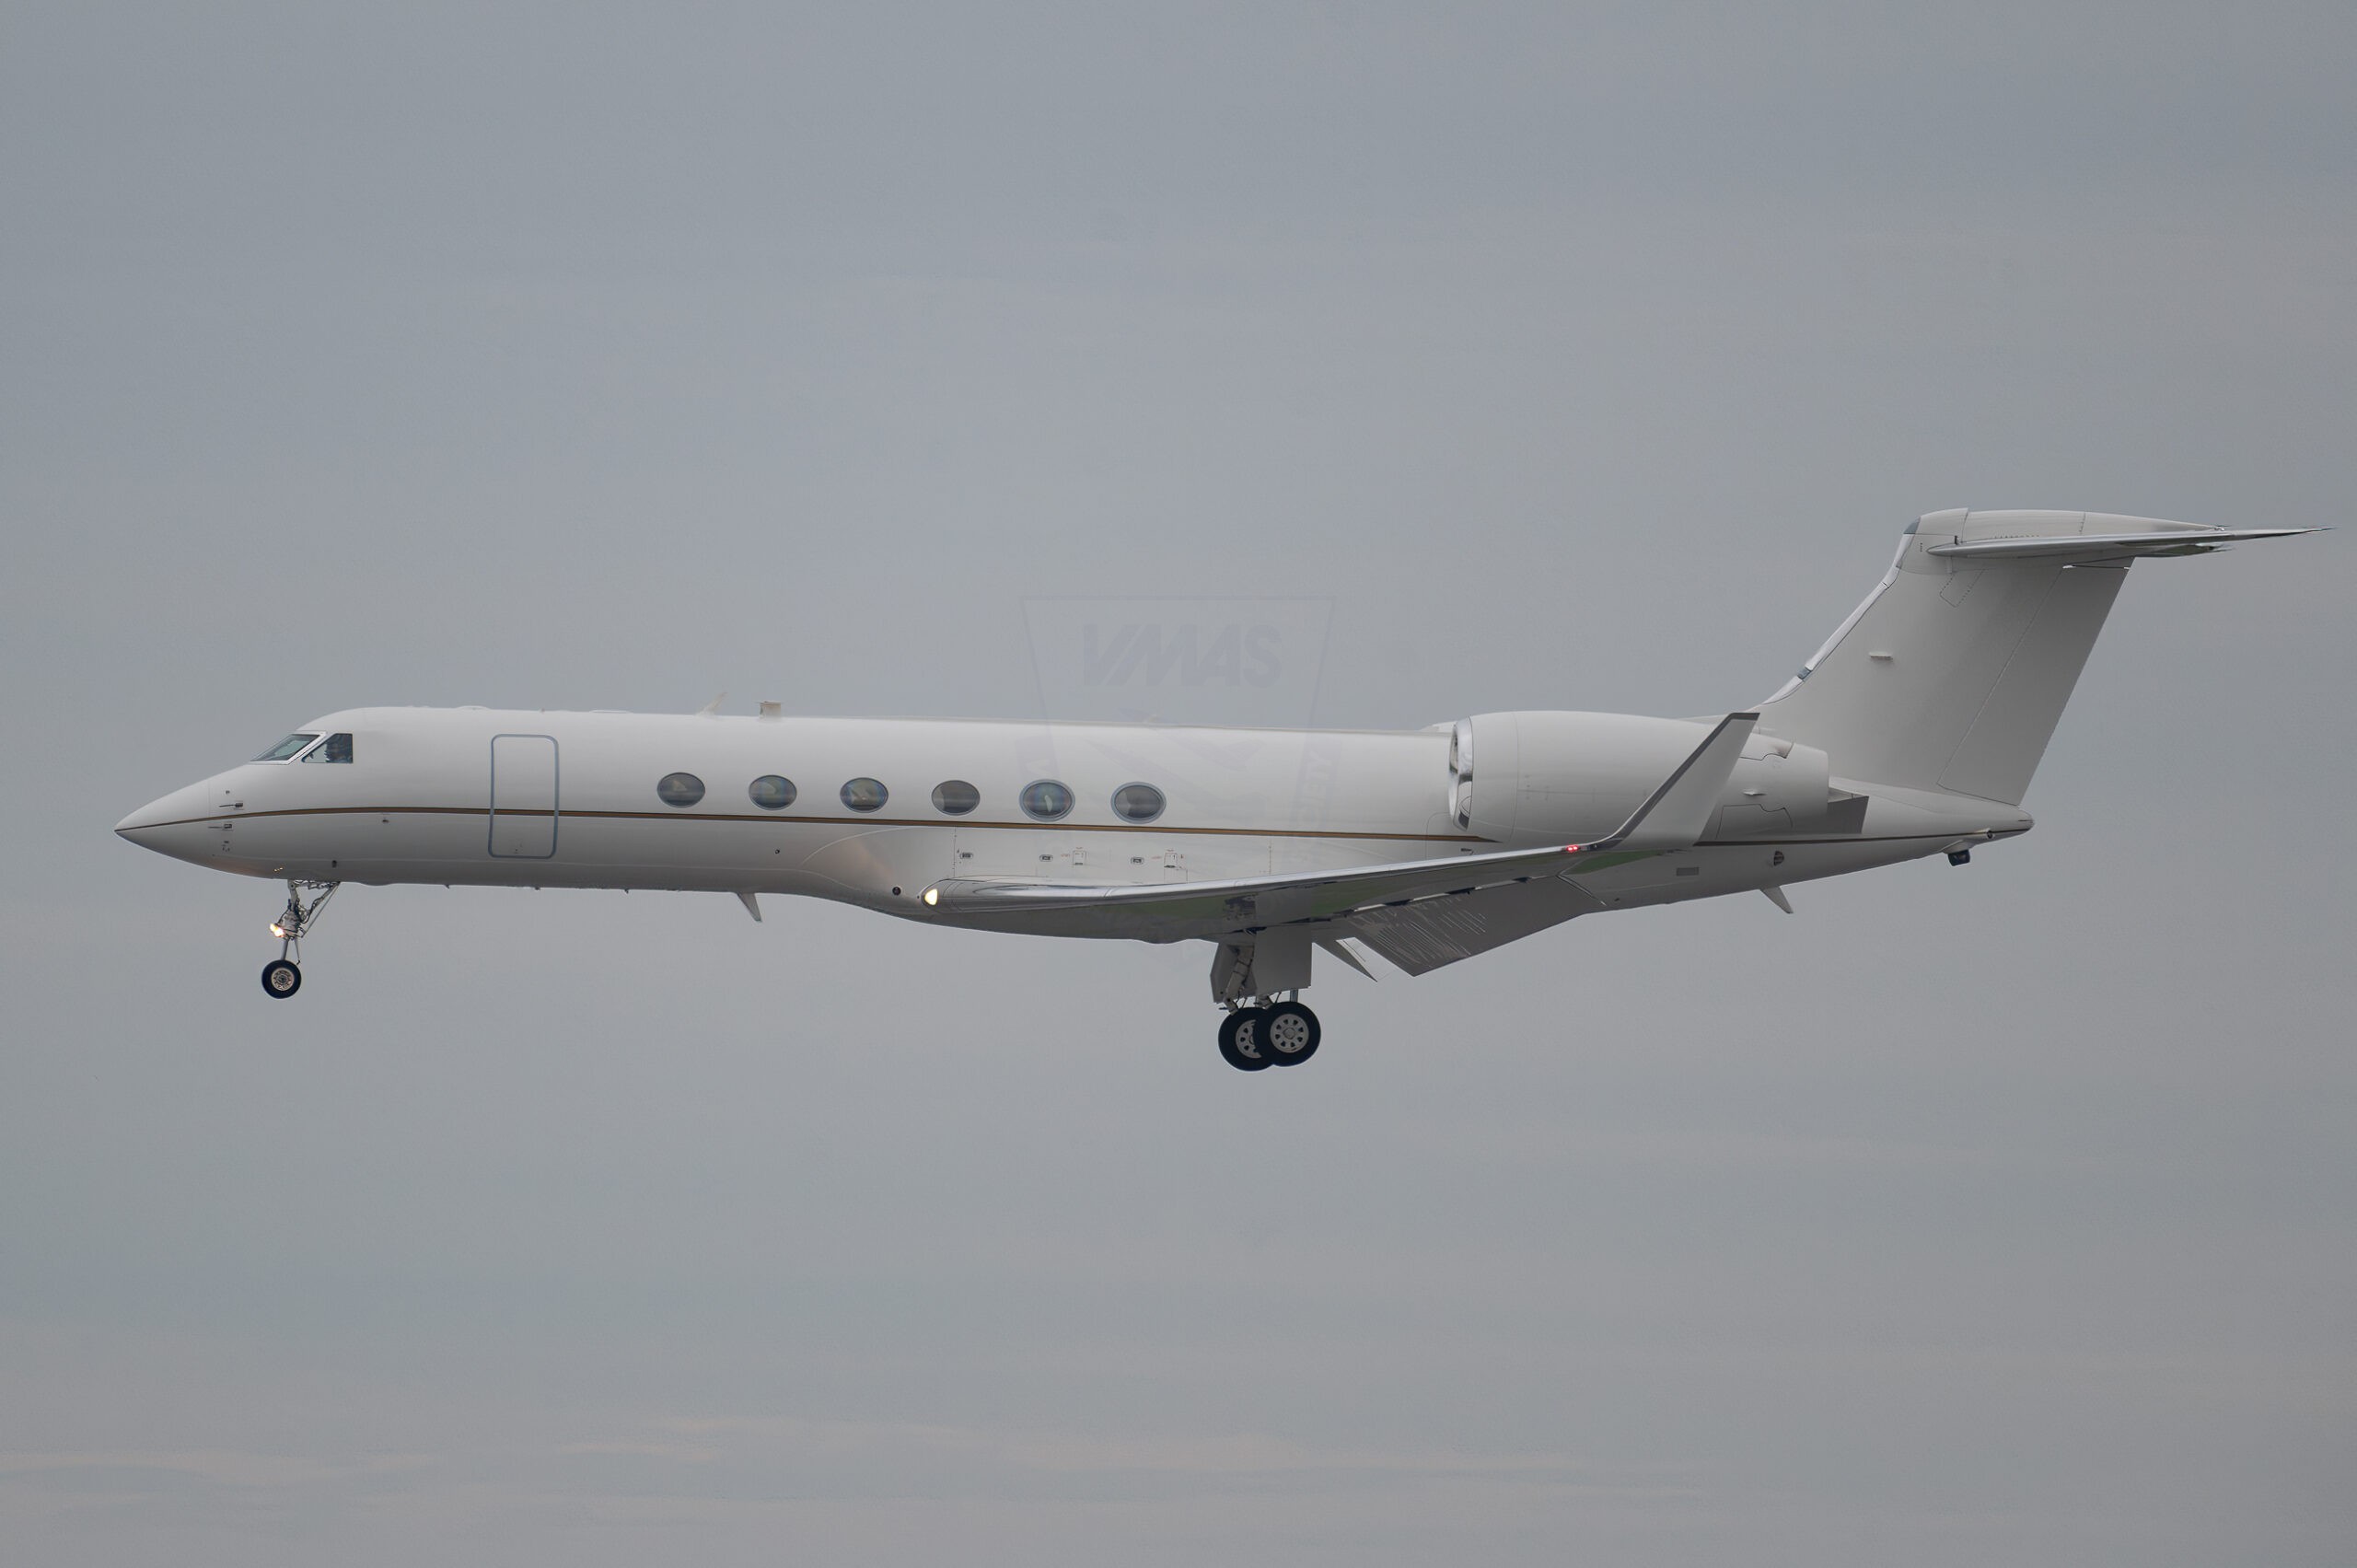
{"x":146,"y":816}
{"x":169,"y":823}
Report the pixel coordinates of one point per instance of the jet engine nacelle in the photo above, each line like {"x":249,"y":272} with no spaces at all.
{"x":1575,"y":777}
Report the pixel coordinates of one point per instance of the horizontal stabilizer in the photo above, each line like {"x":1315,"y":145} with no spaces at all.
{"x":2179,"y":540}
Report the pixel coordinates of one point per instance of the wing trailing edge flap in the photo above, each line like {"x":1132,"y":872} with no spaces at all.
{"x":1430,"y":933}
{"x":1673,"y":816}
{"x":1346,"y":948}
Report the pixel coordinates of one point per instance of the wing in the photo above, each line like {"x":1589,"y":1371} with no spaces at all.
{"x":1673,"y":816}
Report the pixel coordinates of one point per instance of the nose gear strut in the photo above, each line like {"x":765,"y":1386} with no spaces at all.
{"x":283,"y":976}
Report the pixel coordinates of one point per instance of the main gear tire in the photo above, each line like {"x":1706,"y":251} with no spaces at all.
{"x":1287,"y":1034}
{"x":1239,"y":1040}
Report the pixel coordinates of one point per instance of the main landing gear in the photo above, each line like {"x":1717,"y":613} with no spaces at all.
{"x":283,"y":976}
{"x":1275,"y":1034}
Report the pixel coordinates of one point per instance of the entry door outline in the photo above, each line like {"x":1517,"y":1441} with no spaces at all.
{"x":532,"y":772}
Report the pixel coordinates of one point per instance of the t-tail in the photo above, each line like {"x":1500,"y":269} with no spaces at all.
{"x":1953,"y":673}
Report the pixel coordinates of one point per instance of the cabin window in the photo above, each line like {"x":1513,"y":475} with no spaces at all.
{"x":679,"y":789}
{"x":336,"y":748}
{"x":1046,"y":800}
{"x":772,"y":792}
{"x":1137,"y":803}
{"x":287,"y":748}
{"x":954,"y":797}
{"x":865,"y":794}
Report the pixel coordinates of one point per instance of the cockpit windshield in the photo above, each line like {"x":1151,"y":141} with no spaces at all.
{"x":287,"y":748}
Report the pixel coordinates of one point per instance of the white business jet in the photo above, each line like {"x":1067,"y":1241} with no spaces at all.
{"x":1914,"y":731}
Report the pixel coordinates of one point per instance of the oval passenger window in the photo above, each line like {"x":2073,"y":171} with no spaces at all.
{"x":1137,"y":803}
{"x":1046,"y":800}
{"x":679,"y":789}
{"x":954,"y":797}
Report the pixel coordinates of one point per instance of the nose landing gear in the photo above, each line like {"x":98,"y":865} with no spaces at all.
{"x":283,"y":976}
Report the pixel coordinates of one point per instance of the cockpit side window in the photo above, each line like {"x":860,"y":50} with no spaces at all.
{"x":287,"y":748}
{"x":336,"y":748}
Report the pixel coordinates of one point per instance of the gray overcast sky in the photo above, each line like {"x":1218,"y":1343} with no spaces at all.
{"x":600,"y":356}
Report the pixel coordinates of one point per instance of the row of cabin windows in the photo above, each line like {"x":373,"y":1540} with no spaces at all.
{"x":1043,"y":800}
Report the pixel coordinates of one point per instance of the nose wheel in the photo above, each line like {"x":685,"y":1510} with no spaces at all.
{"x":1281,"y":1034}
{"x":283,"y":976}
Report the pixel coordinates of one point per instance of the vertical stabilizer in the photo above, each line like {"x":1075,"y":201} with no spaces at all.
{"x":1953,"y":673}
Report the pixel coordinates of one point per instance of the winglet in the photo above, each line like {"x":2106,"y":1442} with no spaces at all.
{"x":1674,"y":816}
